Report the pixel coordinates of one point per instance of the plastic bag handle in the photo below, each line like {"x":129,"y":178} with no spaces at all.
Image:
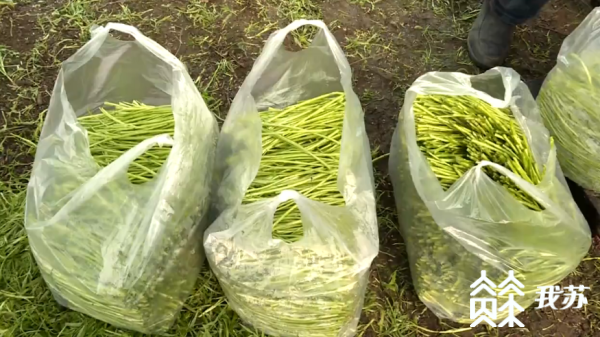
{"x":128,"y":157}
{"x":510,"y":81}
{"x":107,"y":173}
{"x":286,"y":195}
{"x":276,"y":40}
{"x":125,"y":29}
{"x":155,"y":48}
{"x":460,"y":84}
{"x":524,"y":184}
{"x":283,"y":196}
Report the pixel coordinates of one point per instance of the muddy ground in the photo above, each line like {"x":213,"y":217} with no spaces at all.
{"x":389,"y":43}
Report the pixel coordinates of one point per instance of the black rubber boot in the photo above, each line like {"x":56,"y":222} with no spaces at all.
{"x":489,"y":39}
{"x":535,"y":86}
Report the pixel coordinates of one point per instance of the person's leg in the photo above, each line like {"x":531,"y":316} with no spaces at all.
{"x":516,"y":12}
{"x":489,"y":39}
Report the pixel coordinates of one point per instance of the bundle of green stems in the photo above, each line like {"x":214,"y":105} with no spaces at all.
{"x":117,"y":128}
{"x":298,"y":288}
{"x":94,"y":270}
{"x":455,"y":133}
{"x":570,"y":107}
{"x":300,"y":151}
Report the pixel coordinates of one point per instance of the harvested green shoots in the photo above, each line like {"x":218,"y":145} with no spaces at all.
{"x":317,"y":295}
{"x":295,"y":284}
{"x":113,"y":132}
{"x":570,"y":106}
{"x":301,"y":151}
{"x":457,"y":132}
{"x":96,"y":262}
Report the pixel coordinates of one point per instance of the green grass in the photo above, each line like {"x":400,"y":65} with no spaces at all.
{"x":387,"y":299}
{"x":389,"y":43}
{"x":369,"y":44}
{"x":291,"y":10}
{"x":368,"y":5}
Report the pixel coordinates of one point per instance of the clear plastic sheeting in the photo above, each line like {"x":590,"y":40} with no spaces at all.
{"x":570,"y":104}
{"x":451,"y":236}
{"x":314,"y":286}
{"x":125,"y":254}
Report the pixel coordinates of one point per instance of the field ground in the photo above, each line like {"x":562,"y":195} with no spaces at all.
{"x":389,"y":43}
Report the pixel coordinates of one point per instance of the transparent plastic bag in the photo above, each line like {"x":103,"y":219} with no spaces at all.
{"x":451,"y":236}
{"x":570,"y":105}
{"x":324,"y":274}
{"x":125,"y":254}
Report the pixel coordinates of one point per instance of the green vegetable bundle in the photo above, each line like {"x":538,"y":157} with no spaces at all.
{"x":97,"y":265}
{"x":455,"y":133}
{"x":291,"y":281}
{"x":318,"y":295}
{"x":119,"y":193}
{"x":455,"y":161}
{"x":113,"y":132}
{"x":300,"y":150}
{"x":570,"y":106}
